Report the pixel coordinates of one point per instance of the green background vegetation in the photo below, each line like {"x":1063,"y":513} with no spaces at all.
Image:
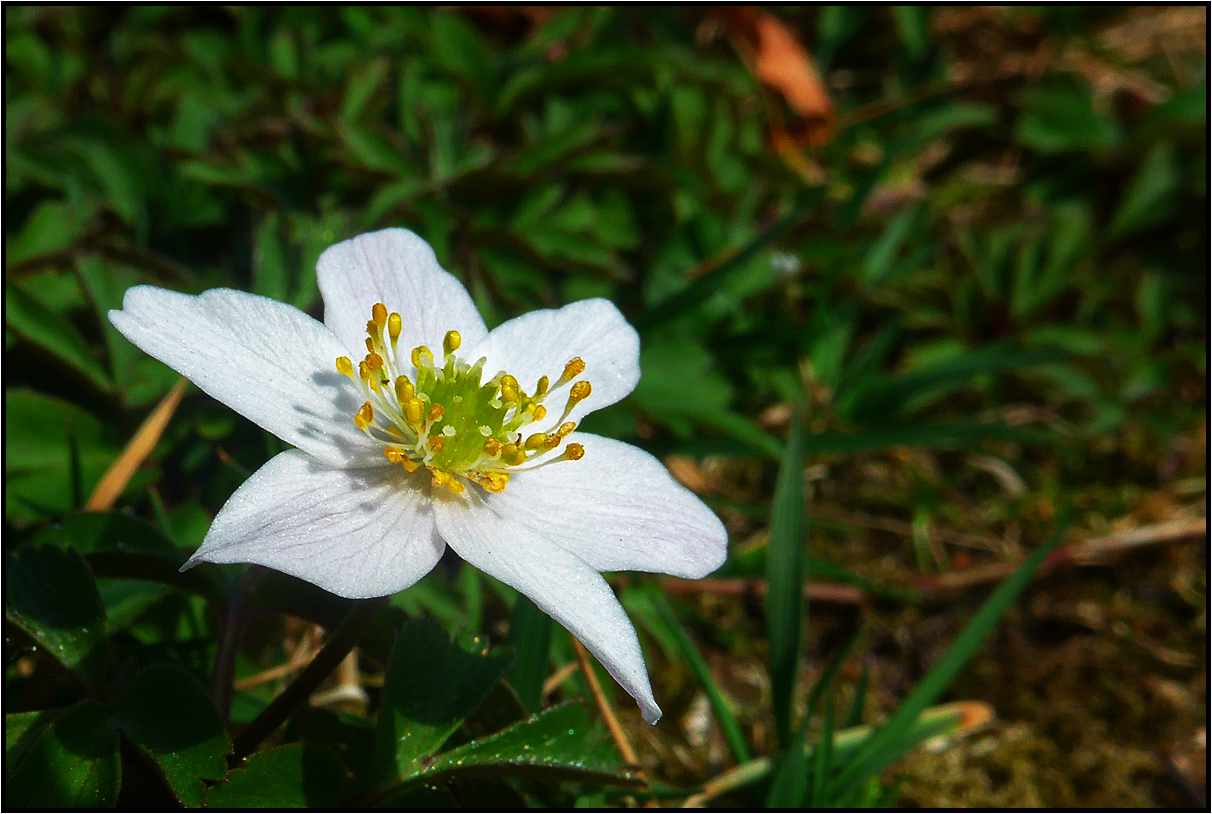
{"x":986,"y":296}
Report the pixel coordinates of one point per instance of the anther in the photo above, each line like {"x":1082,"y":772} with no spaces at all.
{"x":437,"y":443}
{"x":436,"y":412}
{"x":540,"y":389}
{"x":536,"y":441}
{"x":580,"y":391}
{"x":366,"y":414}
{"x":574,"y":368}
{"x":422,"y":357}
{"x":452,"y":341}
{"x":574,"y":452}
{"x":404,"y":389}
{"x":344,"y":366}
{"x":394,"y":326}
{"x":539,"y":412}
{"x":413,"y":410}
{"x":492,"y":447}
{"x":379,"y":312}
{"x":566,"y":429}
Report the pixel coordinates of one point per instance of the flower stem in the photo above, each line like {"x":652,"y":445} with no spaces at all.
{"x":229,"y":642}
{"x":344,"y":638}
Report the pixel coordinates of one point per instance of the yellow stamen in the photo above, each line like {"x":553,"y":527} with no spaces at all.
{"x":539,"y":411}
{"x":436,"y":412}
{"x":537,"y":440}
{"x":452,"y":341}
{"x":540,"y":389}
{"x":574,"y":452}
{"x":394,"y":326}
{"x":404,"y":389}
{"x":379,"y":312}
{"x":566,"y":429}
{"x":344,"y":366}
{"x":492,"y":447}
{"x":421,"y":354}
{"x":413,"y":410}
{"x":436,"y":443}
{"x":366,"y":414}
{"x":574,"y":368}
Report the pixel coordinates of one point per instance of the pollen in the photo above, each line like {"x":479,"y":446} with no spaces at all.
{"x":464,"y":427}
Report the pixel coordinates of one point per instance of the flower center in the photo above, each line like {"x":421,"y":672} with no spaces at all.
{"x":451,"y":422}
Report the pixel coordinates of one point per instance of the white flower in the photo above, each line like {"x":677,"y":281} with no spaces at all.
{"x":442,"y":434}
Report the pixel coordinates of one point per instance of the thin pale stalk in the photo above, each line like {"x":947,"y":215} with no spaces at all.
{"x":343,"y":640}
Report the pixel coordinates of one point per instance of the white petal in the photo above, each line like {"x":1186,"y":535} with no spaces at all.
{"x":618,"y":509}
{"x":355,"y":532}
{"x":563,"y":585}
{"x":266,"y":360}
{"x":542,"y":342}
{"x":398,"y":269}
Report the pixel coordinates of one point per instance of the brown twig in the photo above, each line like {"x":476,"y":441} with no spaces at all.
{"x":137,"y":449}
{"x":1085,"y":553}
{"x":608,"y":717}
{"x":831,"y":592}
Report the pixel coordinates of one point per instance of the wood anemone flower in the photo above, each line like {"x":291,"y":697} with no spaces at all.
{"x":416,"y":428}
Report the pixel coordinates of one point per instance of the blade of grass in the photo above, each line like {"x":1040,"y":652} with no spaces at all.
{"x":951,"y":719}
{"x":892,"y":741}
{"x":826,"y":680}
{"x":719,"y":705}
{"x":789,"y":788}
{"x":785,"y":578}
{"x":822,"y":758}
{"x":855,"y":716}
{"x":690,"y":296}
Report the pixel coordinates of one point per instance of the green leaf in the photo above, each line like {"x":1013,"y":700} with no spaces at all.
{"x":530,"y":636}
{"x":294,"y":776}
{"x":558,"y":744}
{"x":30,"y":319}
{"x":74,"y":764}
{"x":893,"y":738}
{"x":878,"y":261}
{"x":21,"y":729}
{"x":789,"y":786}
{"x":42,"y":435}
{"x":785,"y":610}
{"x":89,"y":532}
{"x":822,"y":758}
{"x":52,"y":596}
{"x":1061,"y":118}
{"x":53,"y":226}
{"x":432,"y":685}
{"x":685,"y":300}
{"x":880,"y":400}
{"x":170,"y":718}
{"x":1151,"y":198}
